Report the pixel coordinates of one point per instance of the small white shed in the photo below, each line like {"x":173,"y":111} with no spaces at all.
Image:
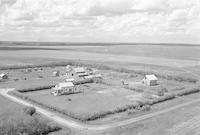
{"x":56,"y":73}
{"x":3,"y":76}
{"x":150,"y":80}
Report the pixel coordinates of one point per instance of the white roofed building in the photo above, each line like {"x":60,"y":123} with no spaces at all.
{"x":3,"y":76}
{"x":64,"y":89}
{"x":150,"y":80}
{"x":65,"y":85}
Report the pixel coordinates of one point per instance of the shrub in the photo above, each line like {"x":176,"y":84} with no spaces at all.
{"x":146,"y":108}
{"x":29,"y":110}
{"x":25,"y":125}
{"x":160,"y":93}
{"x":37,"y":88}
{"x":132,"y":111}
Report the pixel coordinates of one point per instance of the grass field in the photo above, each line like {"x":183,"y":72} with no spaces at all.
{"x":13,"y":119}
{"x":183,"y":121}
{"x":8,"y":107}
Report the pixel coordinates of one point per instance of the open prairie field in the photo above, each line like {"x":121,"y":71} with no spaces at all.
{"x":173,"y":56}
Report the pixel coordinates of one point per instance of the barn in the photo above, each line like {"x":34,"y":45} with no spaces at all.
{"x":77,"y":72}
{"x":150,"y":80}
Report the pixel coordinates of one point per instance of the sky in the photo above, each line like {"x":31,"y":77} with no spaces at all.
{"x":168,"y":21}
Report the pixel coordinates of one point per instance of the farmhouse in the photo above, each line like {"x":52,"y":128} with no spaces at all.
{"x":150,"y":80}
{"x":3,"y":76}
{"x":64,"y":88}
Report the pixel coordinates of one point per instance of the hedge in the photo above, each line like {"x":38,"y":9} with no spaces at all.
{"x":97,"y":115}
{"x":36,"y":88}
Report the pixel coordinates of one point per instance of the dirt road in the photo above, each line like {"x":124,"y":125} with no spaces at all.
{"x":81,"y":126}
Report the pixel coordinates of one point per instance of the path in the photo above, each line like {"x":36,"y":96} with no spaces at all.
{"x":78,"y":125}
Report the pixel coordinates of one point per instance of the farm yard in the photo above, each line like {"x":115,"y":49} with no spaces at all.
{"x":113,"y":92}
{"x":115,"y":89}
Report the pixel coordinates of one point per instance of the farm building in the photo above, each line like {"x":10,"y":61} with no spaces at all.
{"x":56,"y":73}
{"x":82,"y":74}
{"x":93,"y":76}
{"x":64,"y":89}
{"x":70,"y":80}
{"x":150,"y":80}
{"x":28,"y":70}
{"x":3,"y":76}
{"x":68,"y":68}
{"x":77,"y":72}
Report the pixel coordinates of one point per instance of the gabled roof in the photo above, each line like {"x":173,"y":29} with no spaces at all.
{"x":66,"y":84}
{"x":79,"y":70}
{"x":151,"y":77}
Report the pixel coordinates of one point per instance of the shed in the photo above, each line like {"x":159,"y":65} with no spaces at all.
{"x":3,"y":76}
{"x":56,"y":73}
{"x":68,"y":68}
{"x":28,"y":70}
{"x":150,"y":80}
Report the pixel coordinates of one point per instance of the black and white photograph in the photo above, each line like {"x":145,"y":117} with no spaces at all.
{"x":99,"y":67}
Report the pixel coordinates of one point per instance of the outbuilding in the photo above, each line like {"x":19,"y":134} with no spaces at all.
{"x":70,"y":80}
{"x":77,"y":72}
{"x":3,"y":76}
{"x":56,"y":73}
{"x":150,"y":80}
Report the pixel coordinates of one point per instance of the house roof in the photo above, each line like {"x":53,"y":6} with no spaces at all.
{"x":79,"y":70}
{"x":151,"y":77}
{"x":66,"y":84}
